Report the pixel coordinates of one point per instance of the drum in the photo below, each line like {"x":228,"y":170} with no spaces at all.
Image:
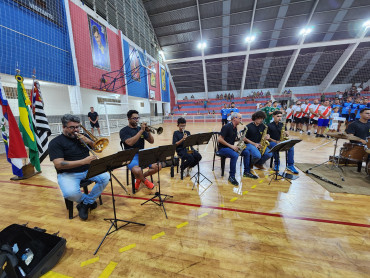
{"x":367,"y":147}
{"x":368,"y":168}
{"x":353,"y":151}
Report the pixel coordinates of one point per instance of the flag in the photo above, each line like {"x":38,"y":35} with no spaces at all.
{"x":40,"y":122}
{"x":14,"y":147}
{"x":25,"y":124}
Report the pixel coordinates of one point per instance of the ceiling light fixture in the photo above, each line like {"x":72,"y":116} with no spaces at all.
{"x":366,"y":24}
{"x":305,"y":31}
{"x":250,"y":39}
{"x":202,"y":45}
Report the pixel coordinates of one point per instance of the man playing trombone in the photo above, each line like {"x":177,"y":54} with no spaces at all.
{"x":133,"y":136}
{"x":71,"y":159}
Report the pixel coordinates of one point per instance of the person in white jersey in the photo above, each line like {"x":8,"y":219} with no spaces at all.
{"x":314,"y":113}
{"x":297,"y":116}
{"x":306,"y":115}
{"x":289,"y":116}
{"x":324,"y":116}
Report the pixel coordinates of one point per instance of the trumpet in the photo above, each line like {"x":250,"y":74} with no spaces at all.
{"x":188,"y":149}
{"x":159,"y":130}
{"x":99,"y":144}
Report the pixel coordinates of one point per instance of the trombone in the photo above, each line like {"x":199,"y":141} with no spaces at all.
{"x":99,"y":143}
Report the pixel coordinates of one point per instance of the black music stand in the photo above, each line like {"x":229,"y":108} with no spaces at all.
{"x":198,"y":139}
{"x":157,"y":155}
{"x":108,"y":164}
{"x":284,"y":146}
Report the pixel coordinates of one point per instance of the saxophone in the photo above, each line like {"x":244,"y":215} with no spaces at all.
{"x":241,"y":145}
{"x":283,"y":137}
{"x":264,"y":143}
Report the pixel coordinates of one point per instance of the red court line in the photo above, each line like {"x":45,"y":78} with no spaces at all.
{"x":223,"y":208}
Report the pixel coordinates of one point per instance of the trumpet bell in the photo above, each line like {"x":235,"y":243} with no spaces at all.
{"x":100,"y":144}
{"x":159,"y":130}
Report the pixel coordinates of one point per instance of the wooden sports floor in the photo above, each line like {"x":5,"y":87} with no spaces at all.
{"x":215,"y":230}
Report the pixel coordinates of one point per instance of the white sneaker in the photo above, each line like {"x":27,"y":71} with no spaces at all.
{"x":188,"y":171}
{"x":301,"y":132}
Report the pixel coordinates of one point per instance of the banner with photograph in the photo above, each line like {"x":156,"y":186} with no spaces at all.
{"x":99,"y":44}
{"x":134,"y":64}
{"x":163,"y":79}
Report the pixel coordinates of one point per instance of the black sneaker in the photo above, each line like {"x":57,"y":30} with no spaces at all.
{"x":249,"y":175}
{"x":233,"y":181}
{"x":93,"y":206}
{"x":83,"y":211}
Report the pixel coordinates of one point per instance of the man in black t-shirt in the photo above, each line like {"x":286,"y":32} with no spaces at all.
{"x":71,"y":160}
{"x":133,"y":136}
{"x":226,"y":146}
{"x":274,"y":130}
{"x":253,"y":139}
{"x":189,"y":156}
{"x":94,"y":120}
{"x":361,"y":127}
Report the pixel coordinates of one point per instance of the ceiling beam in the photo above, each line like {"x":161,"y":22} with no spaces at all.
{"x":248,"y":50}
{"x":341,"y":62}
{"x":328,"y":36}
{"x":203,"y":60}
{"x":294,"y":57}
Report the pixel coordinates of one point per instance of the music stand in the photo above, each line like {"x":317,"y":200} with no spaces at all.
{"x":198,"y":139}
{"x":108,"y":164}
{"x":284,"y":146}
{"x":156,"y":155}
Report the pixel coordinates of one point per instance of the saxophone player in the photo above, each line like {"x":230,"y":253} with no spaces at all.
{"x":277,"y":131}
{"x":226,"y":147}
{"x":256,"y":139}
{"x":190,"y":157}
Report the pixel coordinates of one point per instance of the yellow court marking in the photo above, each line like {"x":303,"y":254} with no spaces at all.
{"x":245,"y":192}
{"x":52,"y":274}
{"x":91,"y":261}
{"x":254,"y":186}
{"x":182,"y":225}
{"x":271,"y":172}
{"x":126,"y":248}
{"x":158,"y":235}
{"x":202,"y":215}
{"x":234,"y":199}
{"x":108,"y":270}
{"x":261,"y":181}
{"x":222,"y":205}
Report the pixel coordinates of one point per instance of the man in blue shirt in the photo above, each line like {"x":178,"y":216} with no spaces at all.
{"x":353,"y":109}
{"x":224,"y":113}
{"x":233,"y":108}
{"x":361,"y":106}
{"x":345,"y":109}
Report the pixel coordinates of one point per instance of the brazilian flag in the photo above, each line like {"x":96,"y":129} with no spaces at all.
{"x":25,"y":124}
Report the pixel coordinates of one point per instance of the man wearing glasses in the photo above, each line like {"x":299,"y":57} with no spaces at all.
{"x":71,"y":159}
{"x":133,"y":136}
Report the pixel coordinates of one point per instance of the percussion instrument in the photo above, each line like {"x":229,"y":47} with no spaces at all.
{"x":340,"y":135}
{"x":353,"y":151}
{"x":368,"y":168}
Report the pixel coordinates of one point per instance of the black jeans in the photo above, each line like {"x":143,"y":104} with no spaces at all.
{"x":189,"y":159}
{"x":224,"y":121}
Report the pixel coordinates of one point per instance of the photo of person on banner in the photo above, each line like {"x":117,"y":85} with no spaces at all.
{"x":134,"y":64}
{"x":163,"y":78}
{"x":99,"y":45}
{"x":153,"y":80}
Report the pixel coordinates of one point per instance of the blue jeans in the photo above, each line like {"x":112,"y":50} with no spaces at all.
{"x":277,"y":158}
{"x":69,"y":184}
{"x":256,"y":156}
{"x":135,"y":162}
{"x":233,"y":155}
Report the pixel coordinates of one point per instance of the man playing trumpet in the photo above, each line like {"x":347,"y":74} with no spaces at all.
{"x":189,"y":156}
{"x":71,"y":159}
{"x":133,"y":136}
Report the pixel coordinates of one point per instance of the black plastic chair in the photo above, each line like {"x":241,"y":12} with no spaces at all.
{"x":69,"y":204}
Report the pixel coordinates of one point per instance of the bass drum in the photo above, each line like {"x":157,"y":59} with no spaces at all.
{"x":353,"y":151}
{"x":368,"y":168}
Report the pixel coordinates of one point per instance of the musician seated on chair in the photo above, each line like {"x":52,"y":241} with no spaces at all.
{"x":360,"y":127}
{"x":256,"y":139}
{"x":275,"y":132}
{"x":189,"y":156}
{"x":71,"y":160}
{"x":226,"y":146}
{"x":133,"y":136}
